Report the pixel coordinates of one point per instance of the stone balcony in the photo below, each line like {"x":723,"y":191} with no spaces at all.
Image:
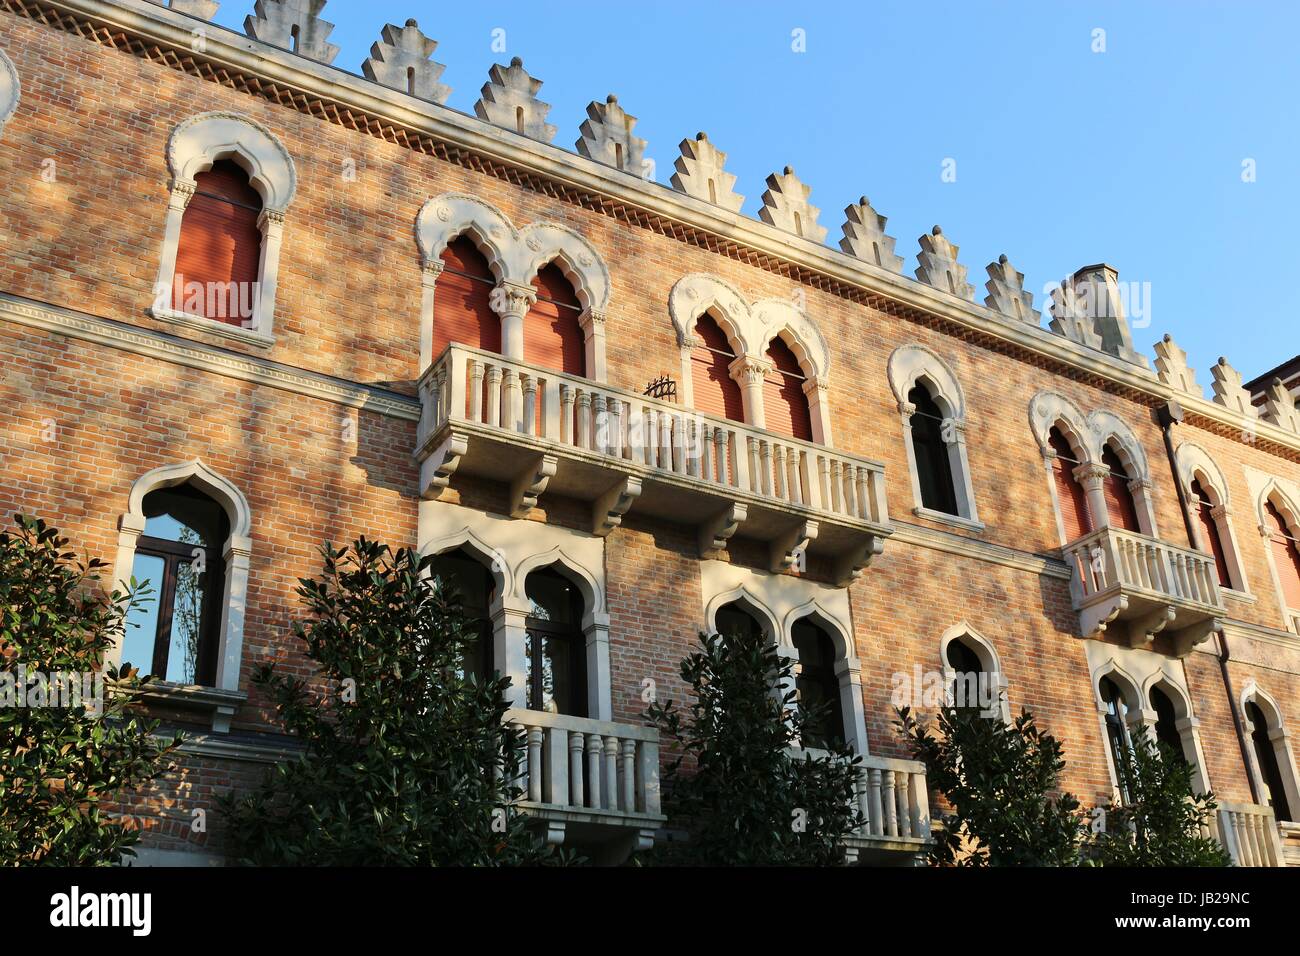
{"x":1144,"y":587}
{"x":544,"y":432}
{"x":1251,"y":835}
{"x":591,"y":784}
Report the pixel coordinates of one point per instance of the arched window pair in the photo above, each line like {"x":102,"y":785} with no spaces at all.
{"x":785,"y":404}
{"x":1118,"y":716}
{"x":1076,"y":516}
{"x":1267,"y":751}
{"x":463,"y":313}
{"x":555,"y":649}
{"x":817,"y":684}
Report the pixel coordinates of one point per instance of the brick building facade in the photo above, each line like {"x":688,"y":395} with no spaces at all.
{"x":1057,"y":531}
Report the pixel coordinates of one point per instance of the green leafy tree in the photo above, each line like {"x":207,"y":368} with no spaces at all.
{"x":735,"y":786}
{"x":406,"y":760}
{"x":999,"y":780}
{"x":66,"y":756}
{"x":1160,"y":822}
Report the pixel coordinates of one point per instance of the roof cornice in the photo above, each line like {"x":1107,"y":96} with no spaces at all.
{"x":162,"y":35}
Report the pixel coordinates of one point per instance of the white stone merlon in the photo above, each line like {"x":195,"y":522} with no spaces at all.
{"x":401,"y":60}
{"x":509,"y":100}
{"x":786,"y":206}
{"x":700,"y":174}
{"x":1172,"y":368}
{"x":607,"y":137}
{"x":203,"y":9}
{"x":864,"y":237}
{"x":1227,"y":388}
{"x":293,"y":25}
{"x":1279,"y":407}
{"x":1007,"y":293}
{"x":937,"y":266}
{"x":1070,"y":317}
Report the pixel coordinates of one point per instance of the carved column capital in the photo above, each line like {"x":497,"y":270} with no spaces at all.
{"x":906,"y":409}
{"x":1091,"y":475}
{"x":748,"y":370}
{"x":512,"y":298}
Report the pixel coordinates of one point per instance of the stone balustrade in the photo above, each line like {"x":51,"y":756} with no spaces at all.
{"x":1249,"y":833}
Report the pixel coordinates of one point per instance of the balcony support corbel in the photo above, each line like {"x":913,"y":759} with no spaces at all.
{"x":1093,"y":619}
{"x":850,"y":565}
{"x":785,"y":548}
{"x":528,"y":486}
{"x":607,"y":513}
{"x":1186,"y":638}
{"x":717,"y":531}
{"x":1143,"y":630}
{"x":436,"y":470}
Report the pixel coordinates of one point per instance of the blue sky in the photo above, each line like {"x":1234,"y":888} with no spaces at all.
{"x":1063,"y":156}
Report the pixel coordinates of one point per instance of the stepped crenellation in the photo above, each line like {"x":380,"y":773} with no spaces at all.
{"x":1085,"y":308}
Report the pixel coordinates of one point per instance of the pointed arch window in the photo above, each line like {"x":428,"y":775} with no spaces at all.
{"x":734,"y":618}
{"x":1119,"y":500}
{"x":552,"y":332}
{"x":967,"y":673}
{"x":1209,"y":528}
{"x":218,"y":257}
{"x":462,"y":310}
{"x":785,"y":404}
{"x":1071,"y":497}
{"x":1167,"y":731}
{"x":1266,"y":760}
{"x":933,"y":463}
{"x":1117,"y":733}
{"x":1286,"y":554}
{"x":475,"y":588}
{"x":555,"y":648}
{"x":817,"y":683}
{"x":716,"y":393}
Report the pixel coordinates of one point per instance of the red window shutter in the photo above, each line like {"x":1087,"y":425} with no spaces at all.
{"x":462,"y":311}
{"x":785,"y":406}
{"x":1069,"y":493}
{"x":1286,"y":557}
{"x":1210,"y":533}
{"x":716,"y":393}
{"x":552,"y":335}
{"x":219,"y":254}
{"x":1119,"y":500}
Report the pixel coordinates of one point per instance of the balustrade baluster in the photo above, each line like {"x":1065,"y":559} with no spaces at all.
{"x":530,"y":405}
{"x":584,"y":418}
{"x":891,"y":805}
{"x":535,"y":774}
{"x":877,"y":805}
{"x":904,"y":810}
{"x":576,"y":789}
{"x":566,"y":414}
{"x":610,"y":801}
{"x":629,"y":777}
{"x":593,"y":770}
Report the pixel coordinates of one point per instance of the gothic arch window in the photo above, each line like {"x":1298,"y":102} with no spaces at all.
{"x":1115,"y":486}
{"x":232,"y":183}
{"x":1266,"y":741}
{"x":715,"y":392}
{"x":967,"y":670}
{"x":1207,"y":528}
{"x":972,"y":669}
{"x":1166,"y":728}
{"x":930,"y":453}
{"x":817,"y":683}
{"x":474,"y":587}
{"x":785,"y":403}
{"x":736,"y":618}
{"x":553,"y":335}
{"x":1284,"y":550}
{"x":462,"y":309}
{"x":555,"y":651}
{"x":1071,"y":499}
{"x":1206,"y":492}
{"x":1117,"y":718}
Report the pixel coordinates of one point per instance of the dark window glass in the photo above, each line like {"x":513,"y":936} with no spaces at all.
{"x":966,"y":663}
{"x":473,"y":584}
{"x":1266,"y":758}
{"x":933,"y":466}
{"x":817,"y":683}
{"x":174,"y":634}
{"x":734,"y":619}
{"x":1167,"y":722}
{"x":1116,"y":732}
{"x":556,"y":648}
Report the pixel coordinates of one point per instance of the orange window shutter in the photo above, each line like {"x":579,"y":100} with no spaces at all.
{"x":552,"y":334}
{"x":1286,"y":557}
{"x":785,"y":406}
{"x":1119,"y":500}
{"x":1070,"y":495}
{"x":462,"y":310}
{"x":218,"y":258}
{"x":716,"y":393}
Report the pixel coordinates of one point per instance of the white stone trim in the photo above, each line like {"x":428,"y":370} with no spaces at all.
{"x":512,"y":549}
{"x":194,"y":145}
{"x":908,"y":366}
{"x":11,"y":89}
{"x":515,"y":256}
{"x":237,"y":552}
{"x":1192,"y":463}
{"x":990,"y":661}
{"x":1279,"y":736}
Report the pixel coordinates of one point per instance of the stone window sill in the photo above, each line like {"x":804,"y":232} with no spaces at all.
{"x":219,"y":705}
{"x":212,"y":327}
{"x":957,"y":521}
{"x":1242,"y":596}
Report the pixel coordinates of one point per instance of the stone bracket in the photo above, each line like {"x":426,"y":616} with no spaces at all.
{"x":785,"y":547}
{"x":436,"y":470}
{"x":850,"y":565}
{"x":1093,"y":619}
{"x":528,"y":486}
{"x":717,"y":531}
{"x":1186,"y":638}
{"x":1143,"y":630}
{"x":607,"y":513}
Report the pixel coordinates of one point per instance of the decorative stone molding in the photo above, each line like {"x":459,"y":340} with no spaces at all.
{"x":1007,"y":294}
{"x":203,"y":9}
{"x":1048,"y":410}
{"x":937,"y":266}
{"x":236,"y":551}
{"x":194,"y":145}
{"x":1070,"y":318}
{"x":1228,"y":390}
{"x":864,"y":237}
{"x":1172,"y":368}
{"x":1279,"y":407}
{"x":509,"y":100}
{"x":786,"y":206}
{"x":607,"y":137}
{"x":700,"y":174}
{"x":402,"y":60}
{"x":11,"y":89}
{"x":514,"y":256}
{"x":293,"y":25}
